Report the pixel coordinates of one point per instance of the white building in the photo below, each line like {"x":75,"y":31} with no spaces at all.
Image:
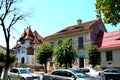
{"x":109,"y":44}
{"x":28,"y":44}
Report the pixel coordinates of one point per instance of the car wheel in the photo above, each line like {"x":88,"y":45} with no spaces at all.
{"x":22,"y":78}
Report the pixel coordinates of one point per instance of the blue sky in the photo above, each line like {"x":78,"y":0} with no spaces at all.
{"x":50,"y":16}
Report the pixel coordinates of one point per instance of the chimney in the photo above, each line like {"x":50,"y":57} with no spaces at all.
{"x":79,"y":21}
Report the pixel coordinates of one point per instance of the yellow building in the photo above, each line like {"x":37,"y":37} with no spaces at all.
{"x":83,"y":36}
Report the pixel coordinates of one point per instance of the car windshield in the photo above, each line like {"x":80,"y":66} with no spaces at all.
{"x":79,"y":74}
{"x":23,"y":71}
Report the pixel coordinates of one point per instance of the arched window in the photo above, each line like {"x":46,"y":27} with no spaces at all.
{"x":23,"y":60}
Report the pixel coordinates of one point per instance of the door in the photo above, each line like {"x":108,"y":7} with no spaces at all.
{"x":81,"y":62}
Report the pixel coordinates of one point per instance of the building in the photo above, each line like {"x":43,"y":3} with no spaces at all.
{"x":3,"y":48}
{"x":109,"y":44}
{"x":83,"y":36}
{"x":28,"y":44}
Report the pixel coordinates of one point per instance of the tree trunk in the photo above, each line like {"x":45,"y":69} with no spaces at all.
{"x":45,"y":67}
{"x":66,"y":66}
{"x":7,"y":63}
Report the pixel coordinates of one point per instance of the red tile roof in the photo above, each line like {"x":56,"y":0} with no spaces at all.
{"x":29,"y":35}
{"x":78,"y":27}
{"x":108,"y":40}
{"x":38,"y":38}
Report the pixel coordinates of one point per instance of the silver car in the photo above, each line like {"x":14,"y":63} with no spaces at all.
{"x":22,"y":74}
{"x":110,"y":74}
{"x":66,"y":74}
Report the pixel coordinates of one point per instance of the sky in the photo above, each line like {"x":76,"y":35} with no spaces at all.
{"x":50,"y":16}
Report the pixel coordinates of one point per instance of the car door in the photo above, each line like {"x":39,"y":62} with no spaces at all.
{"x":68,"y":75}
{"x":62,"y":75}
{"x":12,"y":74}
{"x":16,"y":75}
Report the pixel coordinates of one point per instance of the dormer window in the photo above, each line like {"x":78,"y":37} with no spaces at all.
{"x":22,"y":42}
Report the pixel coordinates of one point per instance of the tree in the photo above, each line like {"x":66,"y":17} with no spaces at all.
{"x":3,"y":59}
{"x":110,"y":10}
{"x":9,"y":15}
{"x":44,"y":53}
{"x":2,"y":56}
{"x":65,"y":54}
{"x":94,"y":56}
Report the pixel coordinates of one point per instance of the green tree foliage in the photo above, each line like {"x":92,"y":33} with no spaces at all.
{"x":94,"y":56}
{"x":65,"y":54}
{"x":2,"y":56}
{"x":110,"y":10}
{"x":44,"y":53}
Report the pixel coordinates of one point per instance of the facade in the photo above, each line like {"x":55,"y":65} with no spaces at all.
{"x":83,"y":36}
{"x":2,"y":48}
{"x":28,"y":44}
{"x":109,"y":44}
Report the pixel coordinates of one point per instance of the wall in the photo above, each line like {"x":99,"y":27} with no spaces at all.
{"x":115,"y":62}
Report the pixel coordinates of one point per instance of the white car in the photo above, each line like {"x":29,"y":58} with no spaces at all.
{"x":22,"y":74}
{"x":91,"y":72}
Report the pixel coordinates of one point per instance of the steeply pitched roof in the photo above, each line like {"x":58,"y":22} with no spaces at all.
{"x":106,"y":40}
{"x":29,"y":35}
{"x":37,"y":38}
{"x":75,"y":28}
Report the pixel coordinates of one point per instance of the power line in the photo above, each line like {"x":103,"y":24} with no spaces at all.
{"x":16,"y":30}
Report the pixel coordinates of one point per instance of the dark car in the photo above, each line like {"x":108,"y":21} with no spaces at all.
{"x":110,"y":74}
{"x":67,"y":74}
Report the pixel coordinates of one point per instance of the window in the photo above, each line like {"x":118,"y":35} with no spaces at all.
{"x":80,"y":42}
{"x":59,"y":73}
{"x":60,"y":42}
{"x":22,"y":42}
{"x":52,"y":43}
{"x":14,"y":71}
{"x":67,"y":74}
{"x":109,"y":56}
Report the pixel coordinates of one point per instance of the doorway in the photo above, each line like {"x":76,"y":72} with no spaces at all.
{"x":81,"y":62}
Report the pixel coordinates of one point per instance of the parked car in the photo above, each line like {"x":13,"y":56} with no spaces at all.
{"x":91,"y":72}
{"x":22,"y":74}
{"x":67,"y":74}
{"x":110,"y":74}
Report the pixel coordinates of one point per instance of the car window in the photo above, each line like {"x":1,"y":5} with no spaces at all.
{"x":115,"y":71}
{"x":57,"y":73}
{"x":22,"y":71}
{"x":81,"y":75}
{"x":67,"y":74}
{"x":14,"y":70}
{"x":107,"y":71}
{"x":30,"y":71}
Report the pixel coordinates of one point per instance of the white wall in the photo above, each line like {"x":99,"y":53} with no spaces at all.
{"x":116,"y":59}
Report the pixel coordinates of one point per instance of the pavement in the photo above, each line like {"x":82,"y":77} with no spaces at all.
{"x":40,"y":74}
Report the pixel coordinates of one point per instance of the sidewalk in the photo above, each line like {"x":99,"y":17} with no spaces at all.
{"x":39,"y":73}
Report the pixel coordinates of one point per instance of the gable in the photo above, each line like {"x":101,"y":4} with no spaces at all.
{"x":106,"y":40}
